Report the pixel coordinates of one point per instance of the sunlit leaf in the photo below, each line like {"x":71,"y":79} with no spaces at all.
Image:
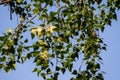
{"x":23,"y":59}
{"x":14,"y":66}
{"x":19,"y":1}
{"x":7,"y":69}
{"x":43,"y":75}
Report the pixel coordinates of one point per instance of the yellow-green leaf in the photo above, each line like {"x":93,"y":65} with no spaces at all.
{"x":14,"y":66}
{"x":19,"y":1}
{"x":23,"y":59}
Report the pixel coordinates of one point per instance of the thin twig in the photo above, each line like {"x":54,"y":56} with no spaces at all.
{"x":20,"y":26}
{"x":5,"y":2}
{"x":81,"y":65}
{"x":30,"y":20}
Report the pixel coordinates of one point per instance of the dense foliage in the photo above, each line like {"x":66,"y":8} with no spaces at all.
{"x":60,"y":33}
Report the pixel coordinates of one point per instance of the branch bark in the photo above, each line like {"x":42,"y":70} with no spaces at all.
{"x":20,"y":26}
{"x":5,"y":1}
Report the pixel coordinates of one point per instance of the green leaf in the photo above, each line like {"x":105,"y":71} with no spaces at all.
{"x":31,"y":22}
{"x":43,"y":75}
{"x":1,"y":66}
{"x":32,"y":36}
{"x":26,"y":40}
{"x":98,"y":66}
{"x":19,"y":49}
{"x":56,"y":76}
{"x":63,"y":70}
{"x":35,"y":70}
{"x":94,"y":78}
{"x":38,"y":71}
{"x":23,"y":59}
{"x":69,"y":45}
{"x":36,"y":10}
{"x":99,"y":1}
{"x":104,"y":48}
{"x":36,"y":46}
{"x":15,"y":41}
{"x":52,"y":14}
{"x":2,"y":59}
{"x":90,"y":65}
{"x":74,"y":72}
{"x":50,"y":2}
{"x":19,"y":1}
{"x":49,"y":71}
{"x":14,"y":66}
{"x":115,"y":16}
{"x":78,"y":24}
{"x":7,"y":69}
{"x":57,"y":68}
{"x":70,"y":67}
{"x":35,"y":53}
{"x":38,"y":62}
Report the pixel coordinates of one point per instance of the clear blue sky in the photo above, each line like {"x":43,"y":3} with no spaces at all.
{"x":111,"y":57}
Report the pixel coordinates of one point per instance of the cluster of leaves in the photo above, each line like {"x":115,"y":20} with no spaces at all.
{"x":75,"y":31}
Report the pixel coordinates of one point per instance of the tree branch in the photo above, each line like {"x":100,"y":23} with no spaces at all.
{"x":18,"y":29}
{"x":30,"y":20}
{"x":5,"y":1}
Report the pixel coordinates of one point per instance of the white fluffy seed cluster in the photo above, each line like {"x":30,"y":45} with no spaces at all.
{"x":9,"y":30}
{"x":38,"y":30}
{"x":44,"y":54}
